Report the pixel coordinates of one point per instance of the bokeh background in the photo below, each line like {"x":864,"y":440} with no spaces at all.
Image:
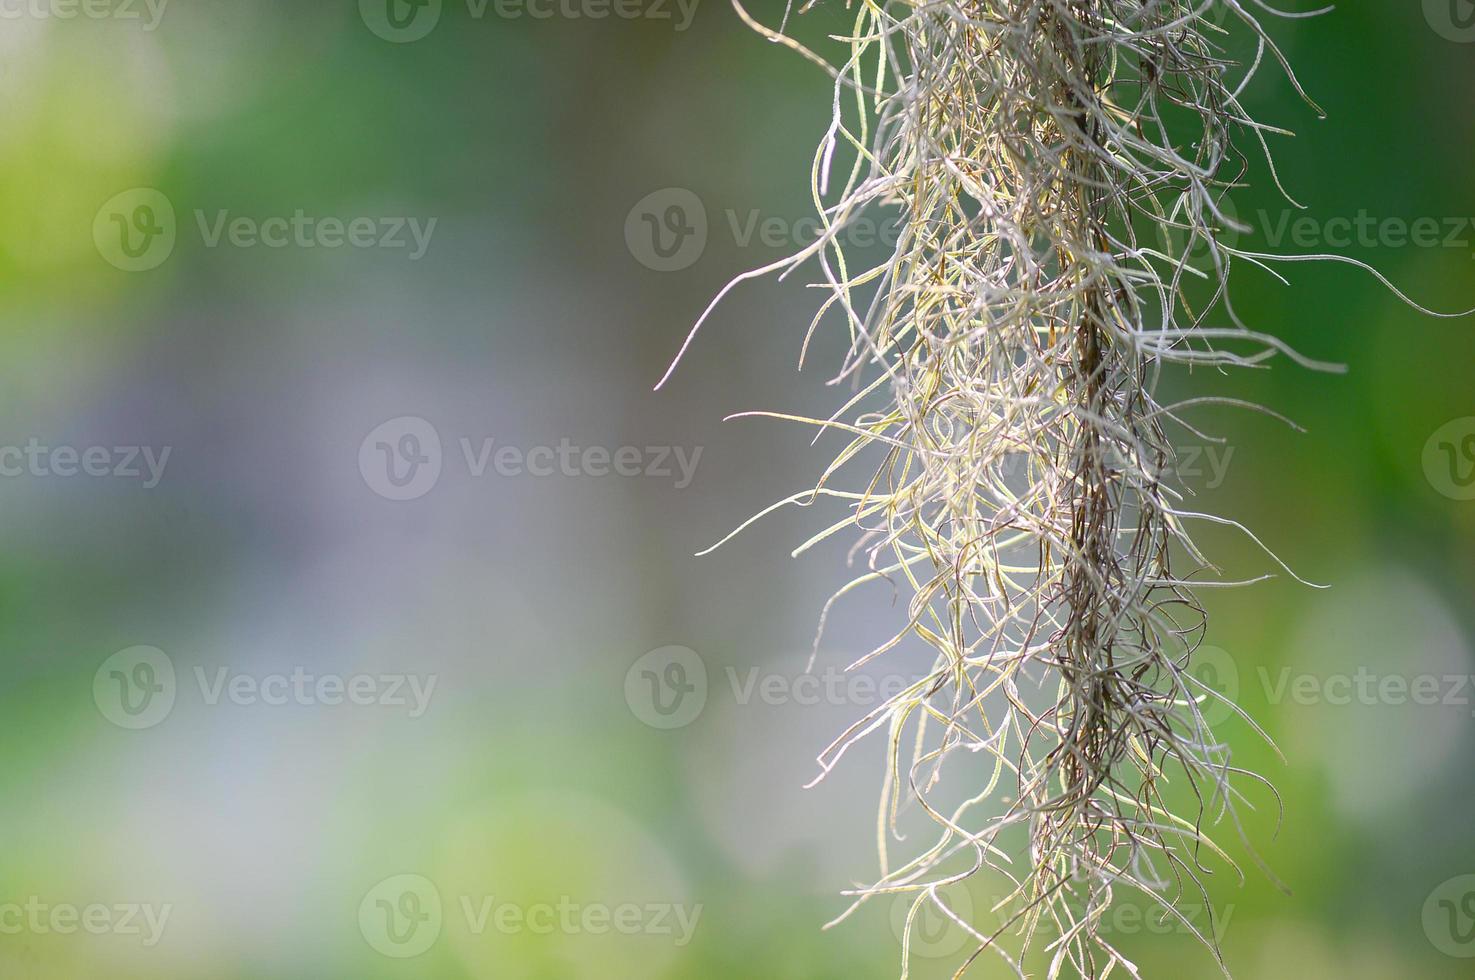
{"x":539,"y":773}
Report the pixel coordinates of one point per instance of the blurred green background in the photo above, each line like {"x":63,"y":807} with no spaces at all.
{"x":538,"y":798}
